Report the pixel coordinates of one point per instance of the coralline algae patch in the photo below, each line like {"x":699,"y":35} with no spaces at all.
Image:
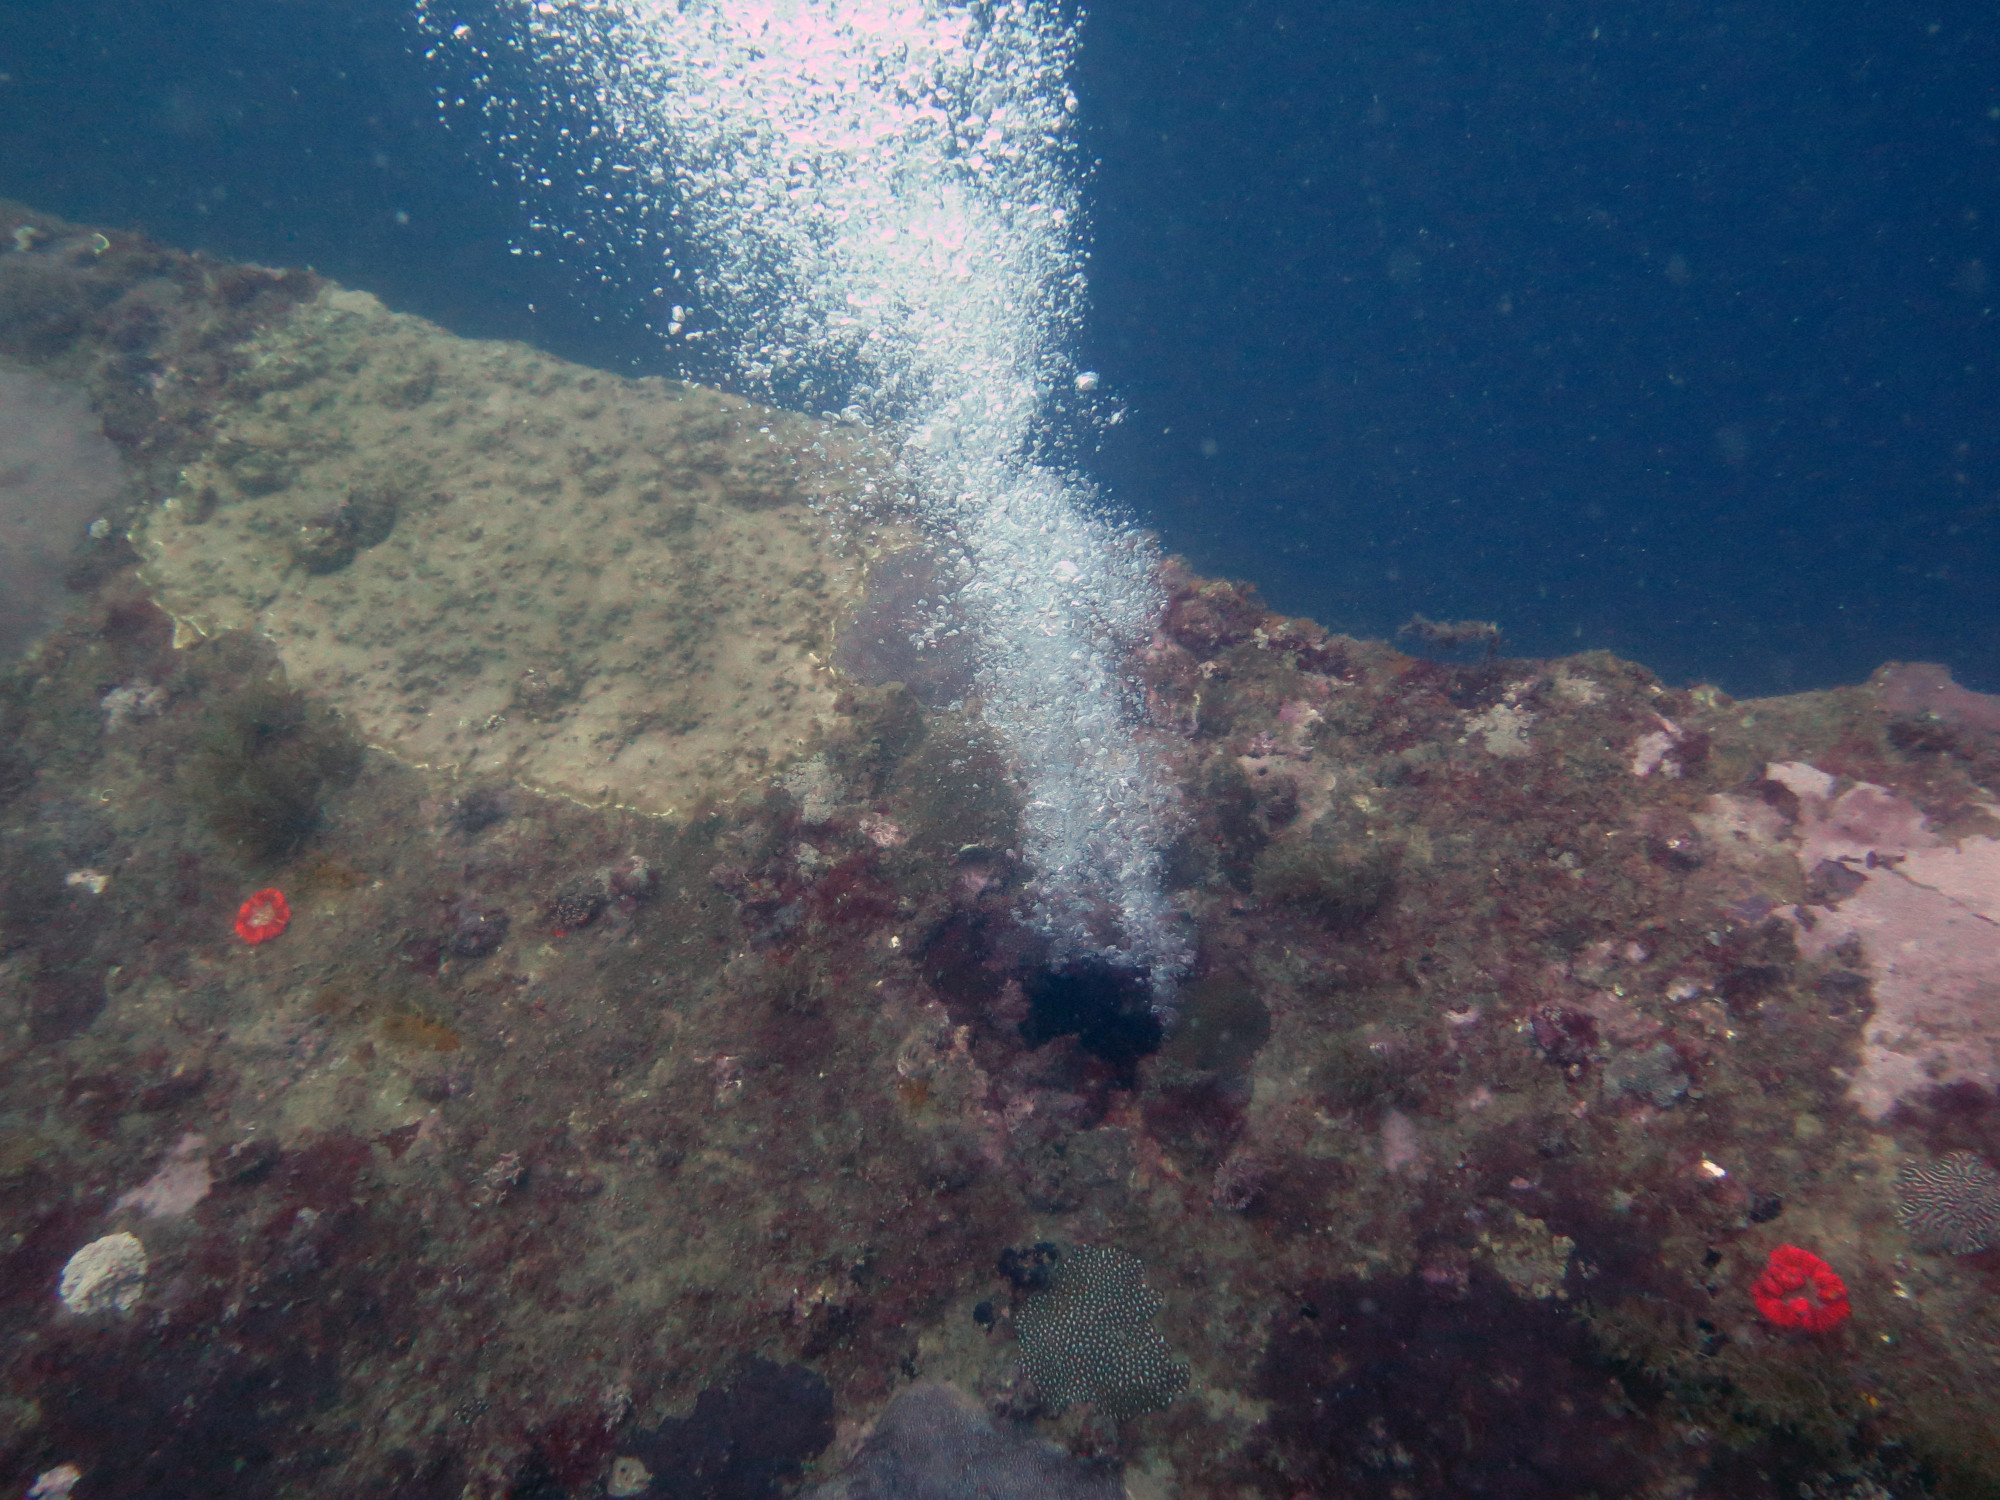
{"x":610,"y":589}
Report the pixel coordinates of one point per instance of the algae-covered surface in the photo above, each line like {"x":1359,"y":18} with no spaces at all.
{"x":652,"y":1087}
{"x":495,"y":562}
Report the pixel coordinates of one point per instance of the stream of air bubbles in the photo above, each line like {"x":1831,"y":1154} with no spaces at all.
{"x":882,"y":199}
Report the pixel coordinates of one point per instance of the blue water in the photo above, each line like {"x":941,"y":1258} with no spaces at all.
{"x":1667,"y":329}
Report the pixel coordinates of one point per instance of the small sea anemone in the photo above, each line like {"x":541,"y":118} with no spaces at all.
{"x":264,"y":916}
{"x":1799,"y":1290}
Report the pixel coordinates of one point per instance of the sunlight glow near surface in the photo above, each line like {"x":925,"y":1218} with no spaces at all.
{"x":882,"y":199}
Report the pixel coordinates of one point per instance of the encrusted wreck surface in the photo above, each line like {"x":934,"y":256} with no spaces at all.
{"x":653,"y":1137}
{"x":614,"y":590}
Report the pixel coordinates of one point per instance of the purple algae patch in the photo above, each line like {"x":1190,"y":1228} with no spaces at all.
{"x":743,"y":1441}
{"x":1402,"y":1386}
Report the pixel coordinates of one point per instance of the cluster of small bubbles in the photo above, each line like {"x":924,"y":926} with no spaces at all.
{"x":878,"y":201}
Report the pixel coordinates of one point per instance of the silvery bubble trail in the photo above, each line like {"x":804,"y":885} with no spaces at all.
{"x":883,"y":200}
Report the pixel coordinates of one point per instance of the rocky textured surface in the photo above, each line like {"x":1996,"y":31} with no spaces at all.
{"x":554,"y":1145}
{"x":616,"y":590}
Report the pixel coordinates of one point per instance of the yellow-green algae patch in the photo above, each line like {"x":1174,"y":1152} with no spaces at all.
{"x":496,"y":562}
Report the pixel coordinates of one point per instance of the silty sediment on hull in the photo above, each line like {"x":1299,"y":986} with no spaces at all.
{"x":57,"y":475}
{"x":493,"y":561}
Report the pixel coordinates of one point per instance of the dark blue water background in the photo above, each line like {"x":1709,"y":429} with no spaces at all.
{"x":1668,"y":328}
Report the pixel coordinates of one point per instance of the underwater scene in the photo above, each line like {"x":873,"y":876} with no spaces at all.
{"x":702,"y":794}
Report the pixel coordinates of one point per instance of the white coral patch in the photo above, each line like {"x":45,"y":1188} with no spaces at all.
{"x":1503,"y":730}
{"x":107,"y":1275}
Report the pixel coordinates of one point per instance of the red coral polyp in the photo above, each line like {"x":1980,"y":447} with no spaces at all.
{"x":1799,"y":1290}
{"x":263,"y":917}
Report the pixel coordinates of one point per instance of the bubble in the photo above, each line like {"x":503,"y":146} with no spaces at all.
{"x":877,"y":204}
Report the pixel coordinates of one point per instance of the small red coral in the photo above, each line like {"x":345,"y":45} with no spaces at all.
{"x":263,"y":917}
{"x":1799,"y":1290}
